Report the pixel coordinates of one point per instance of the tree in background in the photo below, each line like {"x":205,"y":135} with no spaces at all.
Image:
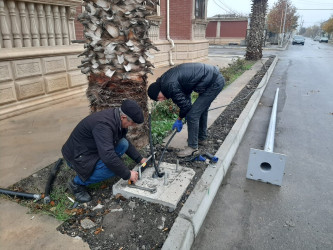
{"x":312,"y":31}
{"x":257,"y":26}
{"x":275,"y":17}
{"x":302,"y":31}
{"x":328,"y":26}
{"x":116,"y":55}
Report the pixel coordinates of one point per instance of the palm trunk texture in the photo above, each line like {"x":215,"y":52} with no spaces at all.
{"x":116,"y":55}
{"x":257,"y":26}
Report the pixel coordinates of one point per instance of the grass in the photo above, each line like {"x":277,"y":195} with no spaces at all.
{"x":62,"y":205}
{"x":235,"y":70}
{"x":165,"y":113}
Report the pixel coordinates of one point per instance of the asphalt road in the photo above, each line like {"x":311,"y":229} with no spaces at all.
{"x":248,"y":214}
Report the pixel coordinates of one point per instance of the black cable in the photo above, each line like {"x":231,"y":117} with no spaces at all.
{"x":52,"y":176}
{"x":20,"y":194}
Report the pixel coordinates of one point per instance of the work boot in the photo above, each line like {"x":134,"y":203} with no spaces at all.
{"x":202,"y":142}
{"x":187,"y":151}
{"x":79,"y":191}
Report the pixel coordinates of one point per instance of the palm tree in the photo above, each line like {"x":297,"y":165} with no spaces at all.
{"x":257,"y":26}
{"x":116,"y":55}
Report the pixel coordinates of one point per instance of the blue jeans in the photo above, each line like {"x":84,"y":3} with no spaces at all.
{"x":101,"y":171}
{"x":197,"y":116}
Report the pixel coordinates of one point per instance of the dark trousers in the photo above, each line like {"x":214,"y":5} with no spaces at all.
{"x":197,"y":116}
{"x":101,"y":171}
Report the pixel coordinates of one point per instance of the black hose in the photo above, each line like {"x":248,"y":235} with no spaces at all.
{"x":20,"y":194}
{"x":52,"y":176}
{"x":157,"y":170}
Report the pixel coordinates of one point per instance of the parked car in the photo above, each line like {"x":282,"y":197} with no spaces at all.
{"x":317,"y":38}
{"x":323,"y":39}
{"x":298,"y":40}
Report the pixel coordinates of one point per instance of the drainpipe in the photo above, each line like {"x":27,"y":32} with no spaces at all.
{"x":168,"y":36}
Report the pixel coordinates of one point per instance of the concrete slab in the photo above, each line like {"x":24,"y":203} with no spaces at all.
{"x":20,"y":230}
{"x":167,"y":193}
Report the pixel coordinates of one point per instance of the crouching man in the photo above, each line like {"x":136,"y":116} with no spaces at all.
{"x":95,"y":147}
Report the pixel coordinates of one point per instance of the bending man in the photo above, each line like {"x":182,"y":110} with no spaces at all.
{"x":178,"y":83}
{"x":95,"y":147}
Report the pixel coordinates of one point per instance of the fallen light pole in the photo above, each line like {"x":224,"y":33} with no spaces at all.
{"x":267,"y":166}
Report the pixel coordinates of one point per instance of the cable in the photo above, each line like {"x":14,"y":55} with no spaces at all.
{"x":221,"y":7}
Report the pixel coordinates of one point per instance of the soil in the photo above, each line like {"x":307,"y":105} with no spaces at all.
{"x":119,"y":223}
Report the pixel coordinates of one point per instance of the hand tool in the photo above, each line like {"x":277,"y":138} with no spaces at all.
{"x":151,"y":190}
{"x":211,"y":157}
{"x":142,"y":166}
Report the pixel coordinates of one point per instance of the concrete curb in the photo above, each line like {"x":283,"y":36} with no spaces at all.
{"x":194,"y":211}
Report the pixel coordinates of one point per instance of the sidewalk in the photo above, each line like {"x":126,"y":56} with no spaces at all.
{"x":32,"y":141}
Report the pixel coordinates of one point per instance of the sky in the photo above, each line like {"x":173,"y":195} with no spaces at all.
{"x":307,"y":17}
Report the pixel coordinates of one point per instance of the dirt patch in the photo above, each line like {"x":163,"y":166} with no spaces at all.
{"x":113,"y":222}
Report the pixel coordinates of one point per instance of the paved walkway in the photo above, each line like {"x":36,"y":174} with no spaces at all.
{"x":31,"y":141}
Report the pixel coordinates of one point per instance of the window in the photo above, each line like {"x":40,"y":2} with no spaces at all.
{"x":200,"y":9}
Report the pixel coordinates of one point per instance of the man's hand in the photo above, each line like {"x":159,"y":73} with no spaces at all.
{"x":178,"y":125}
{"x":134,"y":176}
{"x":143,"y":160}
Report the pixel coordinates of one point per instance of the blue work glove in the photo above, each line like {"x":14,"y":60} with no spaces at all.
{"x":178,"y":125}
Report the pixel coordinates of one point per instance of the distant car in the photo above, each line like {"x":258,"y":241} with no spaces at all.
{"x":323,"y":39}
{"x":298,"y":40}
{"x":317,"y":38}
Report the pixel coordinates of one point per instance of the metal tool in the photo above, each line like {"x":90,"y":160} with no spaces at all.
{"x":151,"y":190}
{"x":141,"y":168}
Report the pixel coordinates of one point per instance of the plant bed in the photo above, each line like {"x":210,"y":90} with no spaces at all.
{"x":112,"y":222}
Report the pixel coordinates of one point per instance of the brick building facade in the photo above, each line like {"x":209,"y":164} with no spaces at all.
{"x":225,"y":29}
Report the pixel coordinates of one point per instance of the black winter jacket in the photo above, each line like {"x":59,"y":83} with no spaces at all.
{"x":179,"y":82}
{"x":95,"y":138}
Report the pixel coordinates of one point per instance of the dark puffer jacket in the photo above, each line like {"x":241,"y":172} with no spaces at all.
{"x":179,"y":82}
{"x":93,"y":139}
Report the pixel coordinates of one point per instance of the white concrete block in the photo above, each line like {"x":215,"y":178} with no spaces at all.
{"x":168,"y":195}
{"x":266,"y":166}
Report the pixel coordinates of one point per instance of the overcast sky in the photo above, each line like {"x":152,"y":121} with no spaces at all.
{"x":309,"y":17}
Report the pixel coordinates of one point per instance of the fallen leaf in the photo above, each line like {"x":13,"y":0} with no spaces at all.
{"x":98,"y":230}
{"x":119,"y":196}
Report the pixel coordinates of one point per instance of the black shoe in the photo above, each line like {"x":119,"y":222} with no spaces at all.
{"x":80,"y":192}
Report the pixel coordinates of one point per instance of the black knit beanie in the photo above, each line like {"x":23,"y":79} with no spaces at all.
{"x":153,"y":90}
{"x":132,"y":110}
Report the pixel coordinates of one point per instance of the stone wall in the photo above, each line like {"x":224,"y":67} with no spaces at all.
{"x":38,"y":63}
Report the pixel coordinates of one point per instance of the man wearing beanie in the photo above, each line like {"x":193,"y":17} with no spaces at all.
{"x":95,"y":147}
{"x":178,"y":83}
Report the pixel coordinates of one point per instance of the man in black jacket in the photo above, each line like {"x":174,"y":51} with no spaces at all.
{"x":95,"y":147}
{"x":178,"y":83}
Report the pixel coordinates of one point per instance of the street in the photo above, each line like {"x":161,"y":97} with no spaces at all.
{"x":247,"y":214}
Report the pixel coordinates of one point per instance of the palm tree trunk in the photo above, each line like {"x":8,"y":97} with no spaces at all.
{"x":116,"y":55}
{"x":257,"y":26}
